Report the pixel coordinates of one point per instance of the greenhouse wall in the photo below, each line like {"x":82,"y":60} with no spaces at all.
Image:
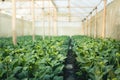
{"x":60,"y":31}
{"x":22,"y":27}
{"x":112,"y":21}
{"x":63,"y":27}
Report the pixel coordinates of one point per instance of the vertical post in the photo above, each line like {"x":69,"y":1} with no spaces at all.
{"x":95,"y":29}
{"x":52,"y":22}
{"x":60,"y":28}
{"x":22,"y":26}
{"x":49,"y":20}
{"x":90,"y":26}
{"x":69,"y":10}
{"x":0,"y":14}
{"x":0,"y":11}
{"x":87,"y":26}
{"x":83,"y":27}
{"x":43,"y":23}
{"x":85,"y":23}
{"x":104,"y":20}
{"x":55,"y":22}
{"x":14,"y":22}
{"x":33,"y":20}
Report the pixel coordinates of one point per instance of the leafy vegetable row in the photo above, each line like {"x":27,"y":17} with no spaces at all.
{"x":97,"y":59}
{"x":39,"y":60}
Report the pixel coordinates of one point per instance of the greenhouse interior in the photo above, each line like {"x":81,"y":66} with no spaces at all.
{"x":59,"y":39}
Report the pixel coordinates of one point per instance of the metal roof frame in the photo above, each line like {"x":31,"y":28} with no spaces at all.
{"x":71,"y":6}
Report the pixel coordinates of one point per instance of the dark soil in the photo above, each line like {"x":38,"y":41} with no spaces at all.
{"x":70,"y":65}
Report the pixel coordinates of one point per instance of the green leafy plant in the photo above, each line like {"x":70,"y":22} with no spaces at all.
{"x":98,"y":59}
{"x":28,"y":60}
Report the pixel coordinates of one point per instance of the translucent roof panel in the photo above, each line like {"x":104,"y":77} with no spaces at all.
{"x":74,"y":8}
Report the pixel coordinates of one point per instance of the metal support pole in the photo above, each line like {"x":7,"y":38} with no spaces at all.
{"x":57,"y":30}
{"x":33,"y":20}
{"x":49,"y":19}
{"x":83,"y":27}
{"x":87,"y":26}
{"x":22,"y":26}
{"x":52,"y":22}
{"x":95,"y":29}
{"x":14,"y":22}
{"x":104,"y":20}
{"x":43,"y":17}
{"x":55,"y":22}
{"x":90,"y":26}
{"x":69,"y":8}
